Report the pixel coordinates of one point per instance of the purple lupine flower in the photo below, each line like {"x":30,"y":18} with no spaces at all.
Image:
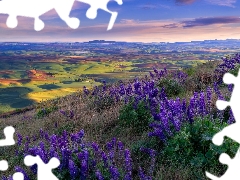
{"x":33,"y":151}
{"x":20,"y":138}
{"x":72,"y":169}
{"x":27,"y":139}
{"x":109,"y":146}
{"x":47,"y":136}
{"x":41,"y":133}
{"x":151,"y":74}
{"x":128,"y":176}
{"x":111,"y":156}
{"x":85,"y":90}
{"x":54,"y":141}
{"x":231,"y":118}
{"x":34,"y":169}
{"x":142,"y":176}
{"x":52,"y":152}
{"x":71,"y":114}
{"x":163,"y":95}
{"x":159,"y":133}
{"x":152,"y":154}
{"x":128,"y":163}
{"x":42,"y":152}
{"x":230,"y":87}
{"x":105,"y":159}
{"x":202,"y":104}
{"x":129,"y":90}
{"x":26,"y":145}
{"x":209,"y":98}
{"x":80,"y":135}
{"x":65,"y":157}
{"x":84,"y":167}
{"x":99,"y":175}
{"x":95,"y":146}
{"x":114,"y":173}
{"x":175,"y":121}
{"x":165,"y":123}
{"x":63,"y":112}
{"x":4,"y":178}
{"x":155,"y":70}
{"x":114,"y":141}
{"x":104,"y":86}
{"x":218,"y":91}
{"x":190,"y":114}
{"x":120,"y":145}
{"x":122,"y":90}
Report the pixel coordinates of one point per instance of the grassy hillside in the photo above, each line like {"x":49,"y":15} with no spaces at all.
{"x":154,"y":127}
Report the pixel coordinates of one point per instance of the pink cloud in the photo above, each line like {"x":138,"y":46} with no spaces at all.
{"x":141,"y":31}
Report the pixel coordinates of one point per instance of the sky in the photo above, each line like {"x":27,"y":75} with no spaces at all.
{"x":137,"y":21}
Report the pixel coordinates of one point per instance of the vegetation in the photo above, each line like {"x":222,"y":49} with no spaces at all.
{"x":136,"y":129}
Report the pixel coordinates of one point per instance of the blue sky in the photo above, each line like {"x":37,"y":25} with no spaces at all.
{"x":138,"y":21}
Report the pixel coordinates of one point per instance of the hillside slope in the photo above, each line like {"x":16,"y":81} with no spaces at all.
{"x":146,"y":128}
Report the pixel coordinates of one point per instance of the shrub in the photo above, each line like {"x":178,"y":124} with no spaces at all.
{"x":193,"y":147}
{"x":138,"y":118}
{"x":45,"y":111}
{"x":235,"y":70}
{"x":190,"y":71}
{"x":172,"y":87}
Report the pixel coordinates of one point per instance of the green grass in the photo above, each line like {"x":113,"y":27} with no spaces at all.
{"x":66,"y":72}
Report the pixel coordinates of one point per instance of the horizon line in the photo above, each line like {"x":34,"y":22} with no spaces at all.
{"x":115,"y":41}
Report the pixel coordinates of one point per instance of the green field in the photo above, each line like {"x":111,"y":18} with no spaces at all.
{"x":19,"y":90}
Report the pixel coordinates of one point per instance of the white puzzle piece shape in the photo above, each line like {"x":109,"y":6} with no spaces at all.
{"x":8,"y":141}
{"x":231,"y":131}
{"x":44,"y":170}
{"x":8,"y":132}
{"x":101,"y":4}
{"x":232,"y":172}
{"x":36,"y":8}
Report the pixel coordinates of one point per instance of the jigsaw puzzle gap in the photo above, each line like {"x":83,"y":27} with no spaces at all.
{"x":231,"y":131}
{"x":44,"y":170}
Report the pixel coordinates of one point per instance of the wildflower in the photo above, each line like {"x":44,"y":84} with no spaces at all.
{"x":72,"y":169}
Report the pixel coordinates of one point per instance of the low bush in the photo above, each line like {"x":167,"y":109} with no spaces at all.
{"x":45,"y":111}
{"x":171,"y":86}
{"x":193,"y":147}
{"x":137,"y":118}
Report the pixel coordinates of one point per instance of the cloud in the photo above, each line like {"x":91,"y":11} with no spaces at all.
{"x":126,"y":30}
{"x":228,"y":3}
{"x":184,"y":1}
{"x":150,"y":6}
{"x":210,"y":20}
{"x":173,"y":25}
{"x":128,"y":21}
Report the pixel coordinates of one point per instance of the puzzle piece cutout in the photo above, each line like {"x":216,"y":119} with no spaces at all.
{"x":44,"y":170}
{"x":233,"y":167}
{"x":36,"y":8}
{"x":8,"y":141}
{"x":231,"y":131}
{"x":8,"y":133}
{"x":18,"y":176}
{"x":101,"y":4}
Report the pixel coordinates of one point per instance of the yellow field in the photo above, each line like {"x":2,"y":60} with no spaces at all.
{"x":50,"y":94}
